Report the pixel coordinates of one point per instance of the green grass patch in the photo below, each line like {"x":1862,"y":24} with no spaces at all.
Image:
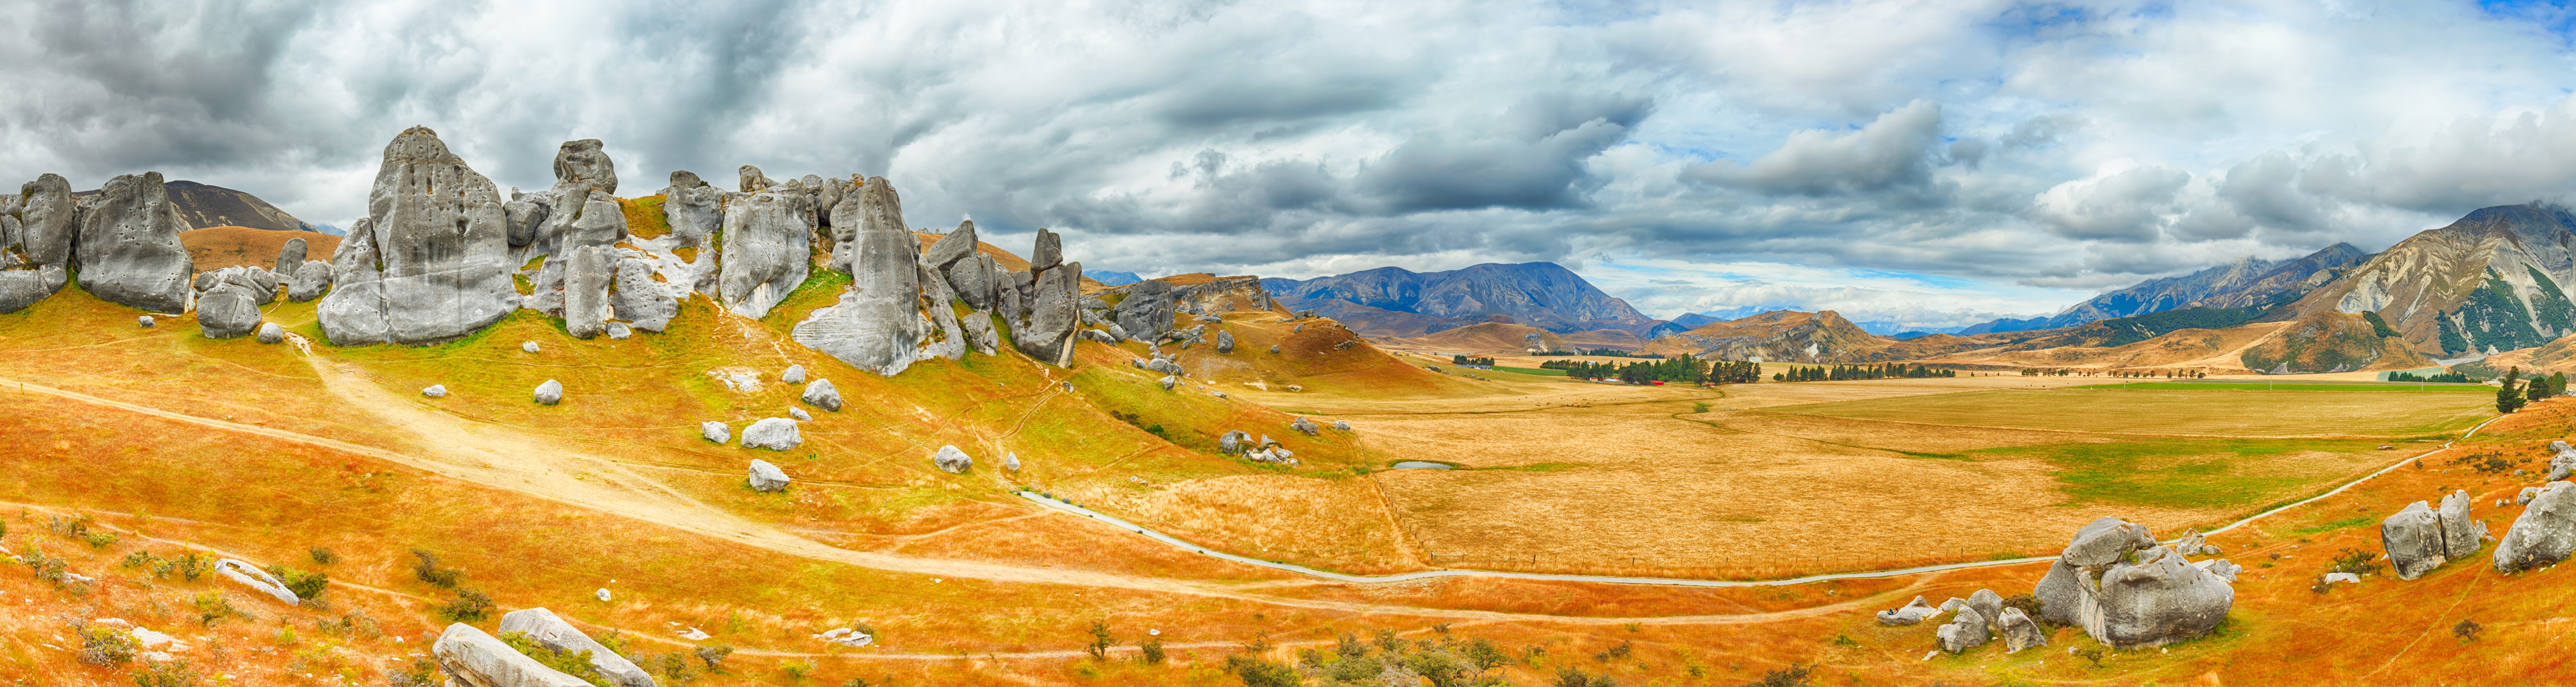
{"x":1533,"y":371}
{"x":2336,"y":525}
{"x":2189,"y":473}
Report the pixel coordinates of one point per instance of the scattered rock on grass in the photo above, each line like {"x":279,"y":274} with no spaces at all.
{"x":795,"y":374}
{"x":1910,"y":614}
{"x":822,"y":395}
{"x":435,"y":391}
{"x":1011,"y":462}
{"x":619,"y":331}
{"x":529,"y":346}
{"x":1965,"y":631}
{"x":257,"y":579}
{"x":765,"y":476}
{"x":1342,"y":425}
{"x":1304,"y":425}
{"x":550,"y":393}
{"x":549,"y":631}
{"x":715,"y":431}
{"x":799,"y":414}
{"x":2413,"y":540}
{"x":1170,"y":381}
{"x":476,"y":658}
{"x":2543,"y":535}
{"x":775,"y":433}
{"x":951,"y":460}
{"x":143,"y":321}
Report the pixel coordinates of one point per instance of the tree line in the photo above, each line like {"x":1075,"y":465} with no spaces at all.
{"x":1684,"y":370}
{"x":2515,"y":393}
{"x":1464,"y":360}
{"x":1836,"y":373}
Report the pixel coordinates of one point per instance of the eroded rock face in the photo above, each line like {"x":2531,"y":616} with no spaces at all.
{"x":129,"y":246}
{"x":437,"y":228}
{"x":2105,"y":540}
{"x":1147,"y":311}
{"x":640,"y":299}
{"x":585,"y":291}
{"x":821,"y":394}
{"x":1048,"y":333}
{"x":2461,"y":536}
{"x":951,"y":460}
{"x":549,"y":631}
{"x":767,"y":477}
{"x":694,"y":208}
{"x":289,"y":257}
{"x":22,"y":288}
{"x":2562,"y":464}
{"x":872,"y":209}
{"x":1989,"y":605}
{"x":481,"y":660}
{"x":766,"y":245}
{"x":1966,"y":631}
{"x":2019,"y":631}
{"x":877,"y":325}
{"x":48,"y":220}
{"x":2544,"y":534}
{"x":2058,"y":599}
{"x":311,"y":280}
{"x":2158,"y":600}
{"x":583,"y":202}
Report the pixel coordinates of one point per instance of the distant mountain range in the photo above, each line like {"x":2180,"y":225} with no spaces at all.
{"x":206,"y":206}
{"x":1112,"y":277}
{"x":1394,"y":302}
{"x":2248,"y":282}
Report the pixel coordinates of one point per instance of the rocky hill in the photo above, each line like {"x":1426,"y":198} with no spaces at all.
{"x":204,"y":205}
{"x":2248,"y":282}
{"x":2493,"y":281}
{"x":1777,"y":336}
{"x":1394,"y":302}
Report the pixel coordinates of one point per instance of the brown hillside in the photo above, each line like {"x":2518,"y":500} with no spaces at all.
{"x":1506,"y":337}
{"x":215,"y":206}
{"x":2331,"y":342}
{"x":1776,"y":336}
{"x":216,"y":248}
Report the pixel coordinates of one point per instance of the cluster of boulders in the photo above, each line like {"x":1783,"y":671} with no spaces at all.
{"x":123,"y":240}
{"x":1978,"y":619}
{"x":473,"y":657}
{"x":1267,"y":450}
{"x":952,"y":460}
{"x":2420,"y":538}
{"x":2127,"y":591}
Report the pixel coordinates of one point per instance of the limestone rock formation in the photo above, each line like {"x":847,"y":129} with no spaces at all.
{"x":434,"y":391}
{"x":1233,"y":441}
{"x":129,"y":246}
{"x":980,"y":334}
{"x":799,"y":414}
{"x":2019,"y":631}
{"x":1169,"y":381}
{"x":1048,"y":254}
{"x":716,"y":432}
{"x":528,"y":346}
{"x":437,"y":229}
{"x":2157,"y":600}
{"x":481,"y":660}
{"x":253,"y":577}
{"x":877,"y":324}
{"x":2461,"y":536}
{"x":695,"y":209}
{"x":773,"y":433}
{"x":552,"y":632}
{"x":585,"y":291}
{"x":753,"y":181}
{"x":1147,"y":311}
{"x":951,"y":460}
{"x":766,"y":477}
{"x":289,"y":256}
{"x":2414,"y":542}
{"x":550,"y":393}
{"x":640,"y":299}
{"x":2543,"y":535}
{"x":950,"y":249}
{"x":144,"y":321}
{"x":619,"y":331}
{"x":1910,"y":614}
{"x":1225,"y":342}
{"x":1342,"y":425}
{"x":822,"y":395}
{"x":1304,"y":426}
{"x":795,"y":374}
{"x":269,"y":333}
{"x":20,"y":288}
{"x":1011,"y":462}
{"x":583,"y":209}
{"x":228,"y":311}
{"x":1047,"y":335}
{"x":48,"y":220}
{"x":1166,"y":367}
{"x":310,"y":281}
{"x":1965,"y":631}
{"x":1989,"y":605}
{"x":767,"y":243}
{"x":2562,"y":464}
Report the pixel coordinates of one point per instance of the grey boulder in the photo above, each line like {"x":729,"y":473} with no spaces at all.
{"x":1011,"y":462}
{"x":821,"y":394}
{"x":550,"y":393}
{"x":311,"y":281}
{"x":1234,"y":441}
{"x":289,"y":256}
{"x":2158,"y":600}
{"x":228,"y":311}
{"x":799,"y":414}
{"x":529,"y":346}
{"x":2543,"y":535}
{"x":951,"y":460}
{"x":714,"y":431}
{"x":1910,"y":614}
{"x":481,"y":660}
{"x":619,"y":331}
{"x":129,"y":246}
{"x":1304,"y":426}
{"x":766,"y":477}
{"x":694,"y":208}
{"x":2105,"y":540}
{"x":2019,"y":631}
{"x":1342,"y":425}
{"x":435,"y":391}
{"x":1224,"y":342}
{"x":2562,"y":463}
{"x":2414,"y":542}
{"x":1166,"y":367}
{"x":585,"y":291}
{"x":2461,"y":536}
{"x":1989,"y":605}
{"x":1170,"y":381}
{"x":549,"y":631}
{"x":774,"y":433}
{"x":795,"y":374}
{"x":1274,"y":350}
{"x":144,"y":321}
{"x":269,"y":333}
{"x":1965,"y":631}
{"x":767,"y":250}
{"x":640,"y":299}
{"x":877,"y":324}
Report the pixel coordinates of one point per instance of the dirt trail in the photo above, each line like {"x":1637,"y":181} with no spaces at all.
{"x":437,"y":443}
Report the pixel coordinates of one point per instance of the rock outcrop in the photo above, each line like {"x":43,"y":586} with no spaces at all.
{"x":253,"y":577}
{"x":550,"y":393}
{"x":549,"y":631}
{"x":767,"y":246}
{"x":2562,"y":463}
{"x":228,"y":311}
{"x":2543,"y":535}
{"x":311,"y":280}
{"x":481,"y":660}
{"x":766,"y":477}
{"x":1909,"y":614}
{"x":2414,"y":542}
{"x":1966,"y":631}
{"x":2019,"y":631}
{"x":585,"y":291}
{"x":2128,"y":592}
{"x":437,"y":229}
{"x":695,"y":209}
{"x":877,"y":325}
{"x":129,"y":247}
{"x":951,"y":460}
{"x":716,"y":432}
{"x":774,"y":433}
{"x":289,"y":257}
{"x":641,"y":300}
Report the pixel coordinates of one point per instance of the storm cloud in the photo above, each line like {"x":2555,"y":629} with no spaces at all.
{"x":1993,"y":155}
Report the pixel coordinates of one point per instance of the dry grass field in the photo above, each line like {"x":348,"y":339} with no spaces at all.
{"x":2181,"y":413}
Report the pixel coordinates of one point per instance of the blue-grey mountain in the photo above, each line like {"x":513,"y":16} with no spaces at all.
{"x":1390,"y":301}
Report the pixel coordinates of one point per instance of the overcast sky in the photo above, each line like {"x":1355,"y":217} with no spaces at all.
{"x":1936,"y":163}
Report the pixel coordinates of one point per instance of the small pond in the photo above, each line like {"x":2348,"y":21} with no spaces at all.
{"x":1421,"y":465}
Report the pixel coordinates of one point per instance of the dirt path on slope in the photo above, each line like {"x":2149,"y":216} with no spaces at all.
{"x":444,"y":445}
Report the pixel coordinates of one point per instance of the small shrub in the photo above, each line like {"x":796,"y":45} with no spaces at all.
{"x":2467,"y":630}
{"x":1615,"y":653}
{"x":428,"y":571}
{"x":470,"y":606}
{"x":1844,"y":641}
{"x":1151,"y":651}
{"x":1388,"y":642}
{"x":573,"y":663}
{"x":795,"y":670}
{"x":714,"y":654}
{"x":139,"y":558}
{"x":417,"y":675}
{"x":323,"y":556}
{"x":1100,"y":640}
{"x":2358,"y":562}
{"x":2092,"y":654}
{"x":104,"y":646}
{"x":2030,"y":605}
{"x":286,"y":637}
{"x":99,"y":539}
{"x":213,"y":608}
{"x":1349,"y":646}
{"x":855,"y":682}
{"x":1570,"y":676}
{"x":171,"y":674}
{"x":194,"y":565}
{"x":1795,"y":675}
{"x":1256,"y":672}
